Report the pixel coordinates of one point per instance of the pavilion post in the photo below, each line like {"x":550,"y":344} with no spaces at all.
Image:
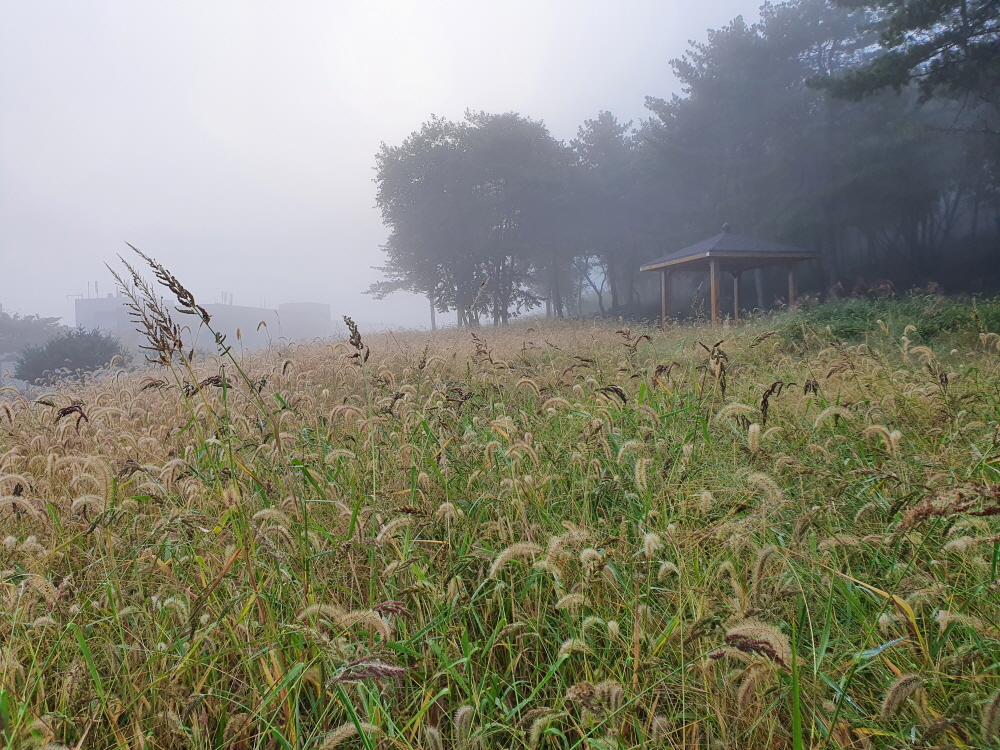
{"x":664,"y":295}
{"x":793,"y":290}
{"x":713,"y":272}
{"x":736,"y":296}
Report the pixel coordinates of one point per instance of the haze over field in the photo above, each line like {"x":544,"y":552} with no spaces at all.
{"x":235,"y":141}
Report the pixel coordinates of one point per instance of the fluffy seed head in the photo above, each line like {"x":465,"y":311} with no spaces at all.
{"x":903,"y":687}
{"x":651,"y":544}
{"x":590,"y":558}
{"x":705,"y":501}
{"x":447,"y":512}
{"x":757,"y":638}
{"x":668,"y":568}
{"x":433,"y":737}
{"x":573,"y":646}
{"x":641,"y":473}
{"x":515,"y":551}
{"x":273,"y":515}
{"x":463,"y":725}
{"x":767,"y":485}
{"x":659,"y":726}
{"x":344,"y":732}
{"x":572,"y":602}
{"x":833,"y":411}
{"x":733,"y":409}
{"x":991,"y":718}
{"x":92,"y":504}
{"x":391,"y":528}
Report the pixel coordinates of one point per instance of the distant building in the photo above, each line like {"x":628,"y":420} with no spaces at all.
{"x":107,"y":314}
{"x":248,"y":327}
{"x":257,"y":327}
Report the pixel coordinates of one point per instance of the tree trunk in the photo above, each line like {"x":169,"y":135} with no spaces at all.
{"x":555,"y":293}
{"x":613,"y":284}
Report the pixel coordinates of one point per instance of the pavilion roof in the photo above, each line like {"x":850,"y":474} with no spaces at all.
{"x":736,"y":253}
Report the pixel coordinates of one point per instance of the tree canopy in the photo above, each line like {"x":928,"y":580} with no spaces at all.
{"x":492,"y":216}
{"x":942,"y":47}
{"x":18,"y":331}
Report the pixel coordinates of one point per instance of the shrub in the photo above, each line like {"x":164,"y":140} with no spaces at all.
{"x":932,"y":315}
{"x":69,"y":355}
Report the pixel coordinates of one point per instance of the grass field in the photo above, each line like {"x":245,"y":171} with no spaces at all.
{"x":549,"y":536}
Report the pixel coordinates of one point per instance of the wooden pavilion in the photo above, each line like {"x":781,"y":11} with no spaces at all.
{"x":730,"y":253}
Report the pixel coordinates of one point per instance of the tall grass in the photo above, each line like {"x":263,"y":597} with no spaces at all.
{"x":561,"y":535}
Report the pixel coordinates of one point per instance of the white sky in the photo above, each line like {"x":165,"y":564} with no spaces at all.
{"x":235,"y":141}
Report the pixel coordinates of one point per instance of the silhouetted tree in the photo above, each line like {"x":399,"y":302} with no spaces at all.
{"x":18,"y":331}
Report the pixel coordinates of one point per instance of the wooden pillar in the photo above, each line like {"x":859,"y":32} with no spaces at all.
{"x":793,"y":290}
{"x":664,"y":295}
{"x":713,"y":273}
{"x":736,"y":297}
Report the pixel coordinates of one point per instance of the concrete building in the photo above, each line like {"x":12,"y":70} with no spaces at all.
{"x":247,"y":327}
{"x":107,"y":314}
{"x":257,"y":327}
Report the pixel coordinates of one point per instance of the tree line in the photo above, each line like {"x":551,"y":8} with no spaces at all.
{"x":868,"y":133}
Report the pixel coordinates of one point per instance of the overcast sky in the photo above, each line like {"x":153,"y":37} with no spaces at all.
{"x":235,"y":141}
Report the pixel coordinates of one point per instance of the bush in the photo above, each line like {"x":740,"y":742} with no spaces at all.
{"x":932,"y":315}
{"x":69,"y":355}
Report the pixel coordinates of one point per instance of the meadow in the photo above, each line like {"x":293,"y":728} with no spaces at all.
{"x":554,"y":535}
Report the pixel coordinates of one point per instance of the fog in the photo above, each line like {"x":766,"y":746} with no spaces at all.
{"x":235,"y":141}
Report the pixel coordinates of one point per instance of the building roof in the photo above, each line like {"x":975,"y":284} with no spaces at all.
{"x":735,"y":252}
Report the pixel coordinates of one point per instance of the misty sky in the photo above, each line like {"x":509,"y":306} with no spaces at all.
{"x":235,"y":141}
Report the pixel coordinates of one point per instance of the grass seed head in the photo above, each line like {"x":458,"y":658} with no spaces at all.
{"x":767,"y":485}
{"x":432,"y":737}
{"x":272,"y":515}
{"x":448,"y":512}
{"x":590,"y":558}
{"x":651,"y":545}
{"x":756,"y":638}
{"x":902,"y":688}
{"x":705,"y":501}
{"x":641,"y":469}
{"x":573,"y":646}
{"x":571,"y":602}
{"x":837,"y":412}
{"x":659,"y":727}
{"x":344,"y":732}
{"x":463,"y":726}
{"x":230,"y":497}
{"x":991,"y":718}
{"x":538,"y":727}
{"x":733,"y":409}
{"x":667,"y":568}
{"x":514,"y":552}
{"x":611,"y":694}
{"x":395,"y":525}
{"x":746,"y":695}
